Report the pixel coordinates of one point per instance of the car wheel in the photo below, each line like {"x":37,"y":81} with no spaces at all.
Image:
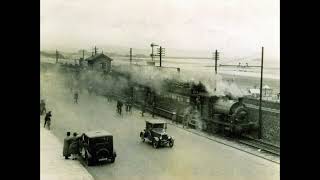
{"x":171,"y":144}
{"x":88,"y":160}
{"x":112,"y":160}
{"x":141,"y":136}
{"x":155,"y":144}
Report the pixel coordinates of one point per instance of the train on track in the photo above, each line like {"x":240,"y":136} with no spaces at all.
{"x":183,"y":102}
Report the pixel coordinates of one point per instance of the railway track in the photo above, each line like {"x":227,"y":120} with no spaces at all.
{"x":261,"y":145}
{"x":245,"y":140}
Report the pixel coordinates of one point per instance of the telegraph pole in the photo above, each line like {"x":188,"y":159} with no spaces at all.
{"x":216,"y":57}
{"x":57,"y":56}
{"x":130,"y":56}
{"x":216,"y":62}
{"x":95,"y":50}
{"x":161,"y":52}
{"x":83,"y":54}
{"x":260,"y":102}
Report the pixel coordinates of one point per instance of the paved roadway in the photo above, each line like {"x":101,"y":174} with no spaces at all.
{"x":192,"y":157}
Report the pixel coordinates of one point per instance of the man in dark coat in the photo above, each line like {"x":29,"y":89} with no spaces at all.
{"x":127,"y":105}
{"x":66,"y":144}
{"x":130,"y":104}
{"x":76,"y":96}
{"x":120,"y":107}
{"x":47,"y":119}
{"x":74,"y":146}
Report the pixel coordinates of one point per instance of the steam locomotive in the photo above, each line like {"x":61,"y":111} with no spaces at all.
{"x":217,"y":114}
{"x":178,"y":100}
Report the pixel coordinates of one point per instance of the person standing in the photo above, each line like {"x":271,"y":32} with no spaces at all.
{"x":120,"y":107}
{"x":76,"y":96}
{"x":42,"y":107}
{"x":74,"y":146}
{"x":66,"y":144}
{"x":117,"y":106}
{"x":127,"y":105}
{"x":47,"y":120}
{"x":130,"y":103}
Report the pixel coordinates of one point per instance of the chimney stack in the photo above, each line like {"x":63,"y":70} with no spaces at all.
{"x":240,"y":100}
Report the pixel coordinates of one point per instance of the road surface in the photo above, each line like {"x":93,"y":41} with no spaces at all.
{"x":192,"y":157}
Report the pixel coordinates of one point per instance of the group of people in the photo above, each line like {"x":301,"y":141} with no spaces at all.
{"x":128,"y":105}
{"x":71,"y":146}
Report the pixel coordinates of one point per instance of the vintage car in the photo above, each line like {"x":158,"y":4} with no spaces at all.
{"x":155,"y":132}
{"x":96,"y":146}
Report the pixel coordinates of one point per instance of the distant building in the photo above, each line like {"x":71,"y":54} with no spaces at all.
{"x":254,"y":92}
{"x":99,"y":62}
{"x":266,"y":92}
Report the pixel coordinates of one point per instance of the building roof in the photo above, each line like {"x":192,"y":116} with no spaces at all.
{"x":154,"y":121}
{"x":97,"y":56}
{"x":98,"y":133}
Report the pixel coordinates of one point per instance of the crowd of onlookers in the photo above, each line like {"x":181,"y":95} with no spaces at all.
{"x":71,"y":144}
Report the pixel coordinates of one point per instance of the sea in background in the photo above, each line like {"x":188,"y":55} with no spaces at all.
{"x":245,"y":77}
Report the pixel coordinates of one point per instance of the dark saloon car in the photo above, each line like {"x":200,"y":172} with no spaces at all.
{"x":96,"y":146}
{"x":155,"y":132}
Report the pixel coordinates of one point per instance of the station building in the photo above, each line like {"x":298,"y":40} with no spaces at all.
{"x":99,"y":62}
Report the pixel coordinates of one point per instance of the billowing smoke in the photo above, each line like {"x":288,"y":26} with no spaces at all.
{"x":155,"y":76}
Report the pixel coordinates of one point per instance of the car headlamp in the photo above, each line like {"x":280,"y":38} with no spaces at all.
{"x":160,"y":137}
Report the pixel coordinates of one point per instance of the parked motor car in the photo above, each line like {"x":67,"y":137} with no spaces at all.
{"x":155,"y":132}
{"x":96,"y":146}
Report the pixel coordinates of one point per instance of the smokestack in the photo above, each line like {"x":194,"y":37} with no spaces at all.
{"x":240,"y":100}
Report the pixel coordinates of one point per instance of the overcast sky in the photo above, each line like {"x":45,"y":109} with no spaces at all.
{"x":236,"y":27}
